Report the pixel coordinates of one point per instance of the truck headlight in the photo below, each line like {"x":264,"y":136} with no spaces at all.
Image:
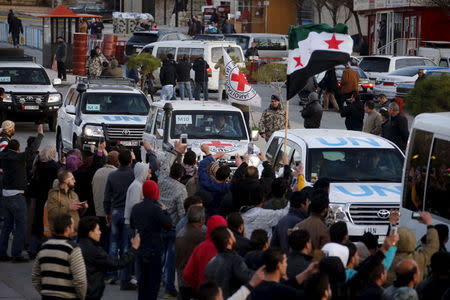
{"x":7,"y":98}
{"x":337,"y":212}
{"x":53,"y":98}
{"x":93,"y":131}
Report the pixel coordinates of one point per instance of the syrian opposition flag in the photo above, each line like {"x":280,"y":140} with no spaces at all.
{"x":237,"y":87}
{"x":314,"y":48}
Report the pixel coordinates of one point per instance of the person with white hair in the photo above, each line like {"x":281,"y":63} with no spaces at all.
{"x":45,"y":171}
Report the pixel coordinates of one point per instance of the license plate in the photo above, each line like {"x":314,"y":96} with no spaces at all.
{"x":372,"y":230}
{"x":130,"y":143}
{"x":31,"y":107}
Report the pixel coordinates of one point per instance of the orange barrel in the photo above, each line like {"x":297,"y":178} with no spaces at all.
{"x":79,"y":68}
{"x":80,"y":36}
{"x":109,"y":44}
{"x":120,"y":52}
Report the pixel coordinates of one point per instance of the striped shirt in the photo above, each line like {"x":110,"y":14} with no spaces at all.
{"x":59,"y":270}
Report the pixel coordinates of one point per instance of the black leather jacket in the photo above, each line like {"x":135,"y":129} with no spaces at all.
{"x":312,"y":113}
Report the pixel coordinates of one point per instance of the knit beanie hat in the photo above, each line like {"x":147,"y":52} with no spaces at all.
{"x":337,"y":250}
{"x":7,"y":125}
{"x":150,"y":190}
{"x":213,"y":167}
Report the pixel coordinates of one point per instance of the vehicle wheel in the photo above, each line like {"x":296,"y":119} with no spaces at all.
{"x":75,"y":143}
{"x":59,"y":144}
{"x":52,"y":123}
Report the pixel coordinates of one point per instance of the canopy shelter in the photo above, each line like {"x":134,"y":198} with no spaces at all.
{"x":61,"y":21}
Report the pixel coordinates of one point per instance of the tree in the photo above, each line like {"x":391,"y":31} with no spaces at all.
{"x":319,"y":5}
{"x":429,"y":95}
{"x":145,"y":63}
{"x":333,"y":7}
{"x":273,"y":74}
{"x":349,"y":5}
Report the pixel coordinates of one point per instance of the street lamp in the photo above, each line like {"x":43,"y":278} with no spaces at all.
{"x":266,"y":8}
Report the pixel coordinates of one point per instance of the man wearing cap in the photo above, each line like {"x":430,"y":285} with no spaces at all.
{"x":272,"y":119}
{"x":312,"y":112}
{"x":60,"y":57}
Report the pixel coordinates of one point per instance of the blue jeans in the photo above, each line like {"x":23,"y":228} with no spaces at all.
{"x":201,"y":86}
{"x":15,"y":213}
{"x":167,"y":92}
{"x":168,"y":238}
{"x":185,"y":85}
{"x":119,"y":243}
{"x":148,"y":269}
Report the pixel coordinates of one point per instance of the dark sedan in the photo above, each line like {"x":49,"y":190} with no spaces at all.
{"x":93,"y":9}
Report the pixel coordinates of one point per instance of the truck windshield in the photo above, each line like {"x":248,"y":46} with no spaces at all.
{"x":208,"y":125}
{"x":35,"y":76}
{"x":355,"y":165}
{"x":115,"y":104}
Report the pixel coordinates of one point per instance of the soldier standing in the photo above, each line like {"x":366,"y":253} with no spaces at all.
{"x":272,"y":119}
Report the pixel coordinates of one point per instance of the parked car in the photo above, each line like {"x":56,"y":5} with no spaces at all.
{"x":404,"y":88}
{"x":93,"y":9}
{"x":388,"y":84}
{"x":141,"y":38}
{"x":365,"y":84}
{"x":268,"y":44}
{"x":378,"y":65}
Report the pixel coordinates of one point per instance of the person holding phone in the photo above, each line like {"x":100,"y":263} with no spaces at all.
{"x":64,"y":200}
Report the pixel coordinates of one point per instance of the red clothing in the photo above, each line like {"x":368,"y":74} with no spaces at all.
{"x":150,"y":190}
{"x":194,"y":272}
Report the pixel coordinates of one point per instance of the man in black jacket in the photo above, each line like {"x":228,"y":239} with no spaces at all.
{"x":60,"y":57}
{"x":13,"y":203}
{"x":227,"y":268}
{"x":96,"y":259}
{"x":114,"y":205}
{"x":396,"y":129}
{"x":200,"y":68}
{"x":184,"y":77}
{"x":149,"y":218}
{"x":300,"y":256}
{"x":168,"y":78}
{"x":312,"y":113}
{"x":15,"y":29}
{"x":353,"y":113}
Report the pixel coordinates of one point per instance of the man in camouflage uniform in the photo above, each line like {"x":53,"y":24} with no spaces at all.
{"x":272,"y":119}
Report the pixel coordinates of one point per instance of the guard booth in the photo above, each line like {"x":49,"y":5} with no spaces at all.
{"x":60,"y":22}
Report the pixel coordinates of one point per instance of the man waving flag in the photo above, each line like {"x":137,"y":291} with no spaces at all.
{"x":314,"y":48}
{"x":237,"y":87}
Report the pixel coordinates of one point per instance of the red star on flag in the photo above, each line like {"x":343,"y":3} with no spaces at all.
{"x":240,"y":79}
{"x":333,"y":43}
{"x":299,"y":61}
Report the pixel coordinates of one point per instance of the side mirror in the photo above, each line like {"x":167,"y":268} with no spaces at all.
{"x":255,"y":135}
{"x":159,"y":133}
{"x":70,"y":109}
{"x":57,"y":81}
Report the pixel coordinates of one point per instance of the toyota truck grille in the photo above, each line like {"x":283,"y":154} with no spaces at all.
{"x":30,"y":98}
{"x":370,"y":214}
{"x":125,"y":133}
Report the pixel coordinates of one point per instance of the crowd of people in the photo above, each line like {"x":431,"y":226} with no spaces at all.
{"x":206,"y":232}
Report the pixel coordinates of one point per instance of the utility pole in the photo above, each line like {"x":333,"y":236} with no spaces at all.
{"x":192,"y":9}
{"x":165,"y":12}
{"x":176,"y":13}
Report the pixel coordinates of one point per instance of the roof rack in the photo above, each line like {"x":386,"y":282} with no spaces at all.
{"x":106,"y":81}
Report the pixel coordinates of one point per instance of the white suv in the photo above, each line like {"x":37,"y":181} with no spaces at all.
{"x":94,"y":110}
{"x":379,"y":65}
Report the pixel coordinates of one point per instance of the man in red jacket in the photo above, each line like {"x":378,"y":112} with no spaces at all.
{"x":194,"y":272}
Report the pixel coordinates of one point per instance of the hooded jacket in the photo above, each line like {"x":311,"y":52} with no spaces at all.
{"x":134,"y":192}
{"x":194,"y":272}
{"x":406,"y":249}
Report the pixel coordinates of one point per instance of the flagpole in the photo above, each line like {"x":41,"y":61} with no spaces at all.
{"x":286,"y":122}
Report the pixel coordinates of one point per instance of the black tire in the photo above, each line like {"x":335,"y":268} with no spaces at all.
{"x":75,"y":142}
{"x":59,"y":144}
{"x":52,"y":123}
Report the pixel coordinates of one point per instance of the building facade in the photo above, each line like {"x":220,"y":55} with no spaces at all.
{"x":398,"y":27}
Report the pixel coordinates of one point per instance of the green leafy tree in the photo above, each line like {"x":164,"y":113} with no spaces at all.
{"x":429,"y":95}
{"x":145,"y":63}
{"x":274,"y":75}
